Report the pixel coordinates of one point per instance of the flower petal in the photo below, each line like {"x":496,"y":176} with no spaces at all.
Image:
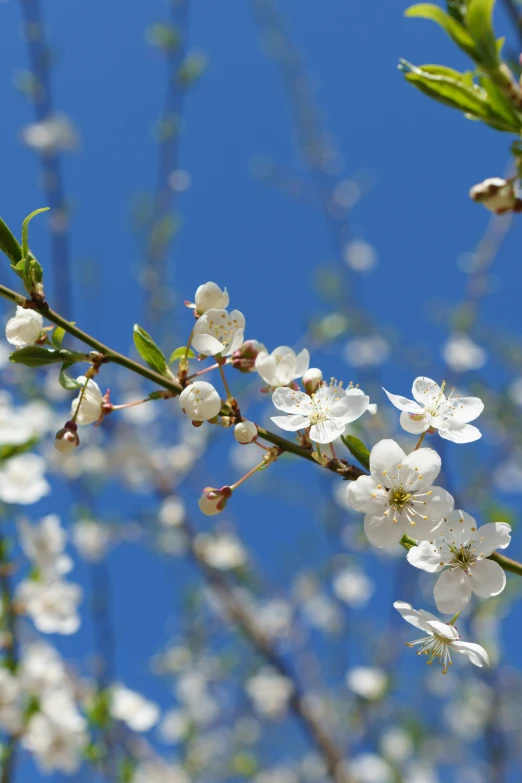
{"x":402,"y":403}
{"x":384,"y":457}
{"x":426,"y":556}
{"x":438,"y":505}
{"x":415,"y":424}
{"x":458,"y":528}
{"x":237,"y":342}
{"x":467,"y":408}
{"x":487,"y":578}
{"x":426,"y":392}
{"x":474,"y":652}
{"x":488,"y":538}
{"x":422,"y":529}
{"x":381,"y":531}
{"x":326,"y":431}
{"x":452,"y":591}
{"x":349,"y":408}
{"x":419,"y":618}
{"x":206,"y":344}
{"x":444,"y":630}
{"x":453,"y":430}
{"x":363,"y":495}
{"x":291,"y":423}
{"x":266,"y":366}
{"x":419,"y":469}
{"x":291,"y":401}
{"x":302,"y":363}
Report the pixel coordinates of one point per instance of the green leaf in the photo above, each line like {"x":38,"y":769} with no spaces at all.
{"x":9,"y":450}
{"x":179,"y":353}
{"x":8,"y":244}
{"x":501,"y":106}
{"x":357,"y":449}
{"x":57,"y":337}
{"x":149,"y":351}
{"x":37,"y":356}
{"x":25,"y":230}
{"x":66,"y":382}
{"x":479,"y":20}
{"x":452,"y":26}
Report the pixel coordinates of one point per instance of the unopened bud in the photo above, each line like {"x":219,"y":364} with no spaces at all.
{"x":213,"y":500}
{"x":244,"y":358}
{"x":200,"y":401}
{"x":245,"y":432}
{"x":497,"y":194}
{"x":67,"y":438}
{"x":312,"y":380}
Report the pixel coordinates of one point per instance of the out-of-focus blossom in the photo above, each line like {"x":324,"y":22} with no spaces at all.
{"x":52,"y":607}
{"x":10,"y":706}
{"x":352,"y":586}
{"x":221,"y":550}
{"x":158,"y":771}
{"x":366,"y":351}
{"x":269,"y":693}
{"x":174,"y":727}
{"x":132,"y":708}
{"x":22,"y":479}
{"x":44,"y":544}
{"x":497,"y":194}
{"x":16,"y":426}
{"x":368,"y":682}
{"x":55,"y":132}
{"x":91,"y":539}
{"x":172,"y":511}
{"x":57,"y":734}
{"x":360,"y":255}
{"x":397,"y":744}
{"x":462,"y":354}
{"x":369,"y":768}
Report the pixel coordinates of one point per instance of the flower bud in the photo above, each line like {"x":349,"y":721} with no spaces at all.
{"x":312,"y":380}
{"x":213,"y":501}
{"x":92,"y":403}
{"x":244,"y":359}
{"x":24,"y":328}
{"x":245,"y":432}
{"x":497,"y":195}
{"x":209,"y":296}
{"x":200,"y":401}
{"x":67,"y":438}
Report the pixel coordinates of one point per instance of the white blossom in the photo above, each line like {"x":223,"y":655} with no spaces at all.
{"x":269,"y":692}
{"x":460,"y":551}
{"x":22,"y":479}
{"x":41,"y":668}
{"x":352,"y":586}
{"x":398,"y":496}
{"x":24,"y":328}
{"x":219,"y":332}
{"x":366,"y":351}
{"x":442,"y":640}
{"x":369,"y":768}
{"x":326,"y":412}
{"x":57,"y":734}
{"x":174,"y":727}
{"x":222,"y":550}
{"x":245,"y":432}
{"x":91,"y":407}
{"x":91,"y":539}
{"x":209,"y":296}
{"x":367,"y":681}
{"x":138,"y":713}
{"x":44,"y":545}
{"x":55,"y":132}
{"x":461,"y":353}
{"x":16,"y":426}
{"x":158,"y":771}
{"x":52,"y":607}
{"x":172,"y":511}
{"x":397,"y":744}
{"x":496,"y":194}
{"x":282,"y":366}
{"x":10,"y":708}
{"x":200,"y":401}
{"x":433,"y":410}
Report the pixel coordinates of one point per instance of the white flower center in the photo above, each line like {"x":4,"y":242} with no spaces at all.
{"x":320,"y":410}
